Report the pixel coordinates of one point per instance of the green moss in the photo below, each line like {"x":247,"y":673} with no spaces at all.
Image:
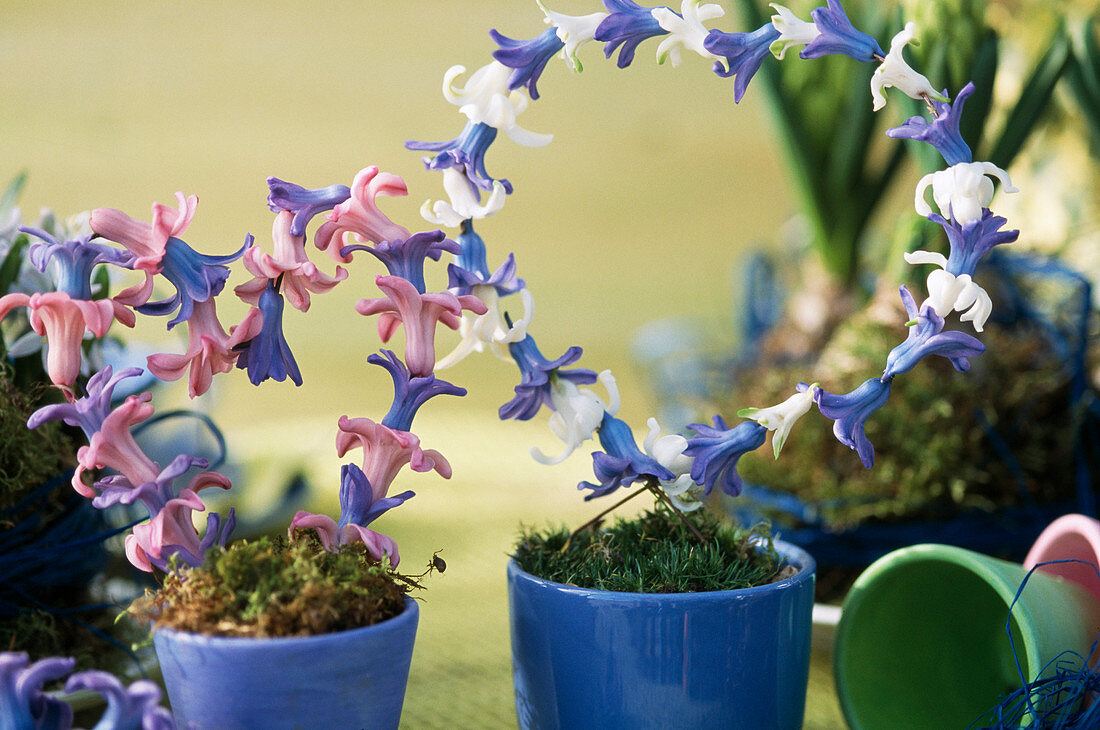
{"x":277,"y":587}
{"x":653,"y":553}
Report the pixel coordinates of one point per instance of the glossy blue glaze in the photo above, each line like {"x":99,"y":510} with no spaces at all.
{"x":595,"y":659}
{"x":348,"y":679}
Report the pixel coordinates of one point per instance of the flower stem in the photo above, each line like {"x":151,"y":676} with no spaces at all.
{"x":600,"y":516}
{"x":659,"y":493}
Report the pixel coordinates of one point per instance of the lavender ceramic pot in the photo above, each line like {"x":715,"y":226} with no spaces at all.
{"x":595,"y":659}
{"x":347,"y":679}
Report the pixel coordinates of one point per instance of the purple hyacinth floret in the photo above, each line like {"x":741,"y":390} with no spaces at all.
{"x":626,"y":25}
{"x":466,"y":151}
{"x":196,"y":277}
{"x":621,"y":463}
{"x":136,"y":707}
{"x":536,"y":378}
{"x":839,"y":36}
{"x":409,"y":393}
{"x":89,"y":412}
{"x":744,"y":52}
{"x":927,"y":337}
{"x":267,"y":355}
{"x":23,"y":704}
{"x":972,"y":240}
{"x":357,"y":503}
{"x":528,"y":58}
{"x":216,"y":534}
{"x":406,"y":258}
{"x":716,"y":451}
{"x":155,"y":495}
{"x":471,"y":267}
{"x":74,"y":260}
{"x":304,"y":203}
{"x":943,"y":131}
{"x":850,"y":412}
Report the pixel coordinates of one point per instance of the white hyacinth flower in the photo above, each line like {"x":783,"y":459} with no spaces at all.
{"x":793,"y":31}
{"x":479,"y":331}
{"x":947,"y":293}
{"x":577,"y":414}
{"x":895,"y":72}
{"x":465,"y":202}
{"x":574,"y":31}
{"x":486,"y":99}
{"x":668,"y":451}
{"x":962,"y":191}
{"x":781,"y":418}
{"x":687,"y":31}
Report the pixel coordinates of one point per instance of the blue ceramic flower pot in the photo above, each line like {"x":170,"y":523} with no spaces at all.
{"x":585,"y":658}
{"x":347,"y":679}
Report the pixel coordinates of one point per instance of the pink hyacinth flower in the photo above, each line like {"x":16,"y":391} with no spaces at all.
{"x":360,"y":215}
{"x":209,"y":348}
{"x":419,"y":313}
{"x":300,"y":275}
{"x":113,"y":446}
{"x":173,"y":525}
{"x":63,"y":320}
{"x":385,"y":451}
{"x":331,"y":536}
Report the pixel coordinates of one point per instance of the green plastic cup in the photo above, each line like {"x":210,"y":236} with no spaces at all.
{"x":922,"y":642}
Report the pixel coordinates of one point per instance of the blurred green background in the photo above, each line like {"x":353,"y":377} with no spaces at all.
{"x":641,"y":208}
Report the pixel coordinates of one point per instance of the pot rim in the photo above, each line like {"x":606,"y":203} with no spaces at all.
{"x":408,"y":615}
{"x":796,"y":555}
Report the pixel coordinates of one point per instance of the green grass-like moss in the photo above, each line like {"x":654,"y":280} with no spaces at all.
{"x":274,"y":587}
{"x":654,"y":553}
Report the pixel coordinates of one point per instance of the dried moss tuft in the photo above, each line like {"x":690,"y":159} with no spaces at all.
{"x":654,"y":553}
{"x":274,"y":587}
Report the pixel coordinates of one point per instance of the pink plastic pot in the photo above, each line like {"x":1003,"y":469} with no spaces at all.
{"x":1070,"y":536}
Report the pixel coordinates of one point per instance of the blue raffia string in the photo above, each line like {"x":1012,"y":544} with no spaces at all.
{"x":215,"y":432}
{"x":1054,"y":700}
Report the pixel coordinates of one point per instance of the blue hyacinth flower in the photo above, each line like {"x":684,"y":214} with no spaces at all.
{"x":943,"y":131}
{"x":536,"y":378}
{"x":357,"y":503}
{"x":304,"y":203}
{"x":621,"y":463}
{"x":466,"y":152}
{"x":744,"y":52}
{"x":23,"y":703}
{"x":839,"y":36}
{"x":926,"y":337}
{"x":87,"y":413}
{"x":406,"y":258}
{"x":267,"y":355}
{"x":409,"y":393}
{"x":74,"y":261}
{"x":716,"y":451}
{"x":972,"y":240}
{"x":196,"y":277}
{"x":528,"y":58}
{"x":850,"y":412}
{"x":627,"y":25}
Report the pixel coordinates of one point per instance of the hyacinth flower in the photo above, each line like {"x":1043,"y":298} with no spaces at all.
{"x":404,"y":258}
{"x":487,"y":99}
{"x":74,"y":261}
{"x":716,"y":450}
{"x":850,"y":411}
{"x":577,"y":414}
{"x":304,"y":203}
{"x":625,"y":27}
{"x":299,"y":276}
{"x":685,"y":29}
{"x":573,"y":31}
{"x":360,"y":216}
{"x":23,"y":704}
{"x":538,"y":378}
{"x":527,"y":58}
{"x":668,"y":451}
{"x":409,"y":392}
{"x":968,"y":243}
{"x":963,"y":191}
{"x":894,"y":72}
{"x":209,"y":349}
{"x":926,"y":337}
{"x":136,"y":707}
{"x":90,"y":412}
{"x":743,"y":52}
{"x":159,"y":250}
{"x":465,"y":153}
{"x":358,"y":508}
{"x":385,"y":451}
{"x":837,"y":35}
{"x":943,"y":131}
{"x":621,"y":463}
{"x":465,"y":201}
{"x":418,"y":313}
{"x":267,"y":355}
{"x":782,"y":417}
